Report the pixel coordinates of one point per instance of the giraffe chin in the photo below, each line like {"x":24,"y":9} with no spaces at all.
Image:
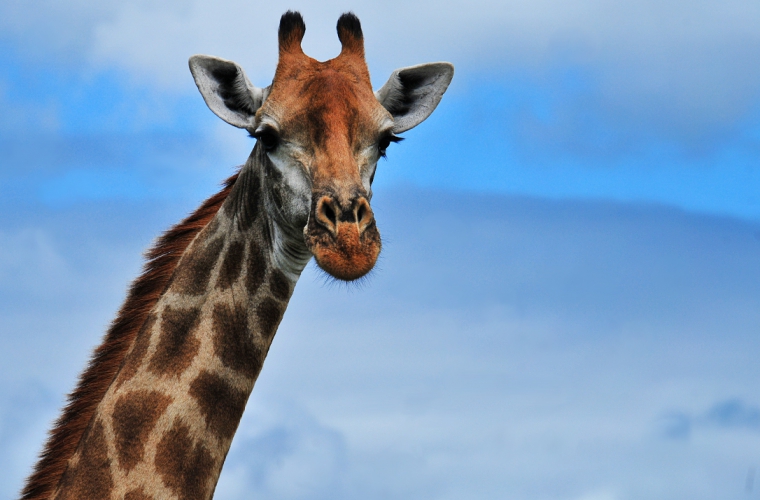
{"x":349,"y":255}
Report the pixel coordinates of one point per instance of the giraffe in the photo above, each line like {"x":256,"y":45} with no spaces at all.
{"x":155,"y":411}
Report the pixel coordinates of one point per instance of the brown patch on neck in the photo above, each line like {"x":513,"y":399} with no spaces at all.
{"x":195,"y":270}
{"x":135,"y":415}
{"x":177,"y":344}
{"x":185,"y":465}
{"x":91,"y":477}
{"x":233,"y":343}
{"x":108,"y":357}
{"x":138,"y":494}
{"x":222,"y":404}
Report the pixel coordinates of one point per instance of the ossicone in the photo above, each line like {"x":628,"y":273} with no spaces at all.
{"x":291,"y":32}
{"x":350,"y":34}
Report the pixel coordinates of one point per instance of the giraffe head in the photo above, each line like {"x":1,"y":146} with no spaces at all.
{"x":320,"y":131}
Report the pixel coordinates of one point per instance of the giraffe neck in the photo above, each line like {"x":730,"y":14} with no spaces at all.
{"x":165,"y":425}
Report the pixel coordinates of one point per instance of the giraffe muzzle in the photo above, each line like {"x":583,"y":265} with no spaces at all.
{"x":329,"y":214}
{"x":343,"y":237}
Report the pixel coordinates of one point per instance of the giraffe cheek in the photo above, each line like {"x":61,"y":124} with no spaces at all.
{"x":349,"y":255}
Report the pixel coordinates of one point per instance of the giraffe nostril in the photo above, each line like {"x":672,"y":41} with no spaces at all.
{"x":326,"y":215}
{"x":329,"y":213}
{"x":363,"y":214}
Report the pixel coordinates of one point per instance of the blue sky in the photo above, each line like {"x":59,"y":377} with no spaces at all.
{"x":567,"y":302}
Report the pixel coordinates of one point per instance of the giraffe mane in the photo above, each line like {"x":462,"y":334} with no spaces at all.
{"x":106,"y":360}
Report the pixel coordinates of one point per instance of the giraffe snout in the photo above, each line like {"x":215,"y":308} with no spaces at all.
{"x":343,"y":236}
{"x":330,"y":215}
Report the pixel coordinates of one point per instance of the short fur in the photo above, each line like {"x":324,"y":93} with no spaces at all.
{"x":291,"y":31}
{"x":108,"y":357}
{"x":350,"y":33}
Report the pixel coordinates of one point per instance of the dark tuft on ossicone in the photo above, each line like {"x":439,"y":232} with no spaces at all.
{"x":349,"y":26}
{"x":292,"y":29}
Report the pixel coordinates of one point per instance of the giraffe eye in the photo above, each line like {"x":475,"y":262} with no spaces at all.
{"x":268,"y":138}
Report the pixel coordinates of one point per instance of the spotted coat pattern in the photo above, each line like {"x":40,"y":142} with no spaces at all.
{"x":154,"y":414}
{"x":167,"y":422}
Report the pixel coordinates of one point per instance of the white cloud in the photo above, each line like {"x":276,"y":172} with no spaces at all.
{"x":683,"y":50}
{"x":283,"y":452}
{"x":30,"y":261}
{"x":508,"y":348}
{"x":26,"y":412}
{"x":598,"y":495}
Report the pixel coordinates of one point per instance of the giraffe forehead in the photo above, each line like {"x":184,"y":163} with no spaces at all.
{"x":325,"y":102}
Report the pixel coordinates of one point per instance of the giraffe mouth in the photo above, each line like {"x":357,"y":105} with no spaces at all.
{"x":344,"y":241}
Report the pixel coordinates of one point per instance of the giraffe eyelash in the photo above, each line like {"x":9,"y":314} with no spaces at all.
{"x":386,"y":141}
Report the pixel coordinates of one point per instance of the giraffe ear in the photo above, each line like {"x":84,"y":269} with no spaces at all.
{"x":226,"y":90}
{"x":412,"y":94}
